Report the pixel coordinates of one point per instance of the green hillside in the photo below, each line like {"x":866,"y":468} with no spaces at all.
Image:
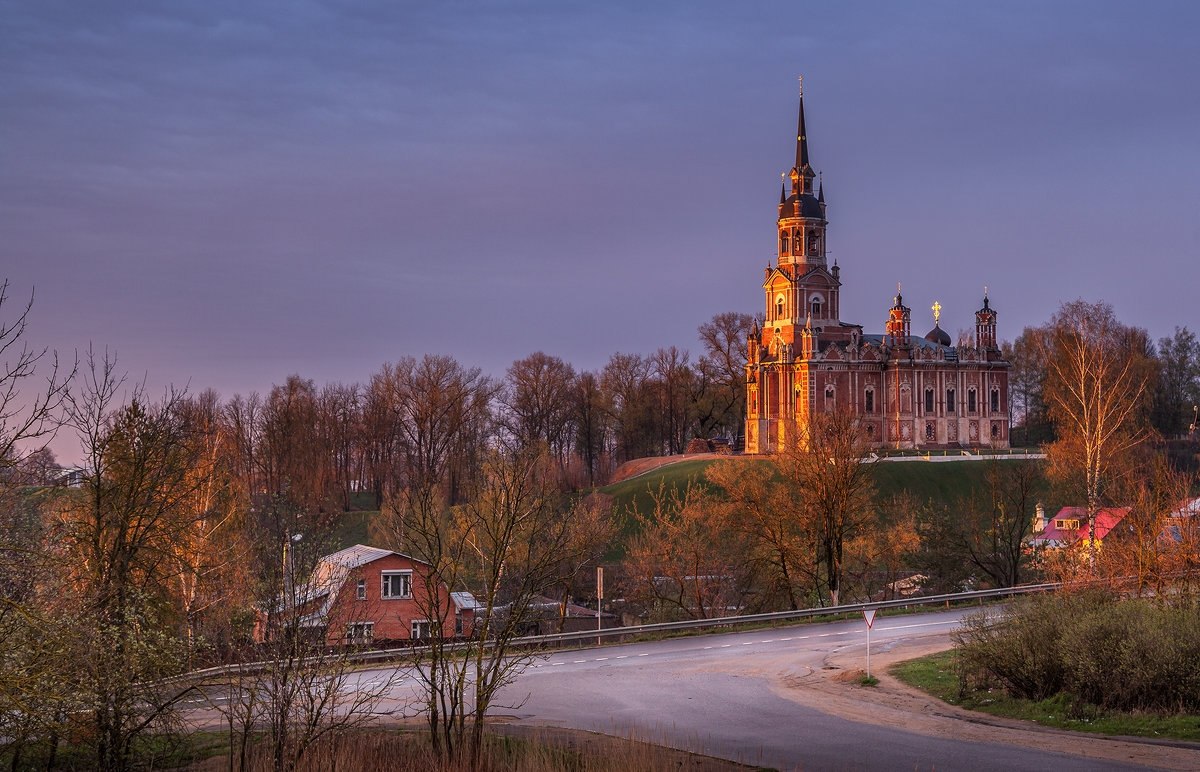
{"x":922,"y":479}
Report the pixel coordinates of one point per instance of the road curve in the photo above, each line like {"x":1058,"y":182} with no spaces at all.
{"x":725,"y":695}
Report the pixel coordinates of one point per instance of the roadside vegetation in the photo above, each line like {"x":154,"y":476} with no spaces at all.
{"x":1088,"y":661}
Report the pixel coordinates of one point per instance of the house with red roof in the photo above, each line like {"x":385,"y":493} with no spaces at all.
{"x":1070,"y":526}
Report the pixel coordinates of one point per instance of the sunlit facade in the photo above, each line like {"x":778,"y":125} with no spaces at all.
{"x":907,"y":392}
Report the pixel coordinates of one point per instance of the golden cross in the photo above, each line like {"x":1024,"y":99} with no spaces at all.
{"x":937,"y":313}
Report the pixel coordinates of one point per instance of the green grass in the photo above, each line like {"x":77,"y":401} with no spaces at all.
{"x":935,"y":674}
{"x":941,"y":481}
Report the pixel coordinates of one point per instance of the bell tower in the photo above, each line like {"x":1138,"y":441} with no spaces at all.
{"x":801,"y":222}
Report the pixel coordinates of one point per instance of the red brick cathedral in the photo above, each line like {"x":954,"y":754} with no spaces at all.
{"x":908,"y":392}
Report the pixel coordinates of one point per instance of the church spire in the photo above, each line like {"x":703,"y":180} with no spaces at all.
{"x":801,"y":134}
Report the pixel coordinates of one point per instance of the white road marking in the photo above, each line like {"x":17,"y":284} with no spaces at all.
{"x":647,"y":654}
{"x":577,"y":661}
{"x":726,"y":646}
{"x":748,"y":643}
{"x":623,"y":656}
{"x":601,"y":659}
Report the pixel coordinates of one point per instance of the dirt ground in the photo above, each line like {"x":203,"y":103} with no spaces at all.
{"x":640,"y":466}
{"x":834,"y":689}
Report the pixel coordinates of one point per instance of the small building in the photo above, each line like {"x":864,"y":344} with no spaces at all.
{"x":1070,"y":526}
{"x":363,"y":594}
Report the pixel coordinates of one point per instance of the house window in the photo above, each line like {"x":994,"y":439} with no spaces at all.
{"x":951,"y":405}
{"x":970,"y":400}
{"x":1066,"y":525}
{"x":396,"y":584}
{"x":870,"y":401}
{"x":360,"y":631}
{"x":421,"y":629}
{"x":929,"y":400}
{"x":458,"y":623}
{"x":361,"y":591}
{"x":995,"y":400}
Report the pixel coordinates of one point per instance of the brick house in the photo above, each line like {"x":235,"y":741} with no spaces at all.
{"x":364,"y":593}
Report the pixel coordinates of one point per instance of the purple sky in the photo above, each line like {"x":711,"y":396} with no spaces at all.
{"x":225,"y":196}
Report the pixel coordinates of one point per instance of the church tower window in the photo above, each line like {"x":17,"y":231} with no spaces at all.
{"x":783,"y":243}
{"x":779,"y":306}
{"x":816,"y":308}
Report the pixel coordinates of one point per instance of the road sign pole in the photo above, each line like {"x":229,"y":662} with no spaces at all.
{"x":599,"y":601}
{"x":869,"y":616}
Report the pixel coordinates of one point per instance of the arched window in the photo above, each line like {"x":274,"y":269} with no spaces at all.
{"x":829,"y":399}
{"x":995,"y":400}
{"x":783,"y":243}
{"x":971,"y":400}
{"x":814,"y":243}
{"x":869,"y":401}
{"x":779,"y":306}
{"x":951,"y":404}
{"x":797,"y":242}
{"x":929,"y":400}
{"x":816,"y":307}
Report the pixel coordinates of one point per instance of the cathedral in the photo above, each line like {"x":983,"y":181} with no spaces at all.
{"x":906,"y":391}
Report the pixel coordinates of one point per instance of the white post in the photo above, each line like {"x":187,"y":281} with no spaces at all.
{"x":599,"y":601}
{"x":868,"y":651}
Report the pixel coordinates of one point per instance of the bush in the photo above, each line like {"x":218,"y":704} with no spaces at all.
{"x":1098,"y":650}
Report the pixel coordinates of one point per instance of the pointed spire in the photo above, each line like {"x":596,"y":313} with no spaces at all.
{"x":821,"y":190}
{"x":782,"y":193}
{"x":801,"y":136}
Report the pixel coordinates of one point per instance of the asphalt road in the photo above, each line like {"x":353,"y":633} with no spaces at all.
{"x":719,"y":695}
{"x":724,"y":695}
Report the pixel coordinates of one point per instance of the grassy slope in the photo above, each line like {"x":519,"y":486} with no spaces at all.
{"x":935,"y":674}
{"x":924,"y":480}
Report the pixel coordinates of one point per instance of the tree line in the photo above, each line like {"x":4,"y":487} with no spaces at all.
{"x":196,"y":515}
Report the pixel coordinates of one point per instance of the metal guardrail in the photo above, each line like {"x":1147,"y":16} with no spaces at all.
{"x":538,"y":641}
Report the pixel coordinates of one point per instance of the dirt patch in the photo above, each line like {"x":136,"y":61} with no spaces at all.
{"x":640,"y":466}
{"x":835,"y":689}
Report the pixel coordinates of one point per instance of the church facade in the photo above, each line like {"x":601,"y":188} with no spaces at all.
{"x":906,"y":391}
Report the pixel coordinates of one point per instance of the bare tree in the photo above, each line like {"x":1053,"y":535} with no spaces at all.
{"x":119,"y":538}
{"x":685,"y":562}
{"x":1096,"y":390}
{"x":769,"y":521}
{"x":828,"y":475}
{"x":537,"y":403}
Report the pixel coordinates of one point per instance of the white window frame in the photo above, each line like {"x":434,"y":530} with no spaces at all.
{"x":360,"y":591}
{"x":405,"y":584}
{"x":415,"y":627}
{"x":360,"y":631}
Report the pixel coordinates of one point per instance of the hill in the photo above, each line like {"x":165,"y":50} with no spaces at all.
{"x":921,"y":479}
